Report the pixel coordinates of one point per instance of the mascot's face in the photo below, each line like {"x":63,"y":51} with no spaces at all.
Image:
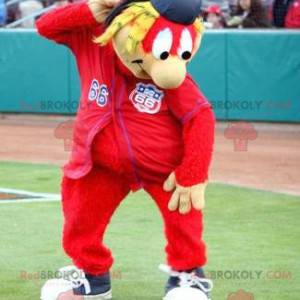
{"x":163,"y":55}
{"x":152,"y":46}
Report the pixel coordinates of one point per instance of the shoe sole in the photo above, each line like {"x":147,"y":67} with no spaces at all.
{"x":105,"y":296}
{"x":164,"y":298}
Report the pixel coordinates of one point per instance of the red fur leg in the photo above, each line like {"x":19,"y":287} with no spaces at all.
{"x":88,"y":204}
{"x":185,"y":248}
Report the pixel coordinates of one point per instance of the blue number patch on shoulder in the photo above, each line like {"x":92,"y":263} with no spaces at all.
{"x":146,"y":98}
{"x":98,"y":93}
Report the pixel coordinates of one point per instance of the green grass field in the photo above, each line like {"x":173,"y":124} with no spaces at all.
{"x":253,"y":241}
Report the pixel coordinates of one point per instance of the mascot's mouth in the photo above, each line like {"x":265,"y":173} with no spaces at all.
{"x":137,"y":61}
{"x":140,"y":62}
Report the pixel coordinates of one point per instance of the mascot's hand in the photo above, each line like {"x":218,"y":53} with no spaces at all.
{"x":184,"y":198}
{"x":101,"y":8}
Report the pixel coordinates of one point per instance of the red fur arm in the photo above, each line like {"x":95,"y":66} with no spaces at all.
{"x":60,"y":22}
{"x":198,"y":135}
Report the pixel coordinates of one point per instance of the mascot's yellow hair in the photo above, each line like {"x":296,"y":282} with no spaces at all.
{"x":141,"y":16}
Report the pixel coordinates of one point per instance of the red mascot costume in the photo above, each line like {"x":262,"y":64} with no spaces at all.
{"x":142,"y":123}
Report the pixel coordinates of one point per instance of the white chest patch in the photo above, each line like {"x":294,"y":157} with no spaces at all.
{"x":146,"y":98}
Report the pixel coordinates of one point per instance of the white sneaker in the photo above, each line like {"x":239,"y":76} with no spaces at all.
{"x":62,"y":289}
{"x":187,"y":285}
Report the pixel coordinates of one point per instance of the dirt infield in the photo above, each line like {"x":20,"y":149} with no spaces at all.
{"x":257,"y":155}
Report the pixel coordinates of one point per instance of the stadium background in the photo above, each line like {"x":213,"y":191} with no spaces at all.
{"x":256,"y":72}
{"x":252,"y":78}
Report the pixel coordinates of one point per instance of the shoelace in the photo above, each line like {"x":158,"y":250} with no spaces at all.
{"x":188,"y":279}
{"x":76,"y":277}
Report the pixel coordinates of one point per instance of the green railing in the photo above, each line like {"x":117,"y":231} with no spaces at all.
{"x":247,"y":75}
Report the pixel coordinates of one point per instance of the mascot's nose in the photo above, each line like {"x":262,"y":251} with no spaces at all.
{"x":169,"y":73}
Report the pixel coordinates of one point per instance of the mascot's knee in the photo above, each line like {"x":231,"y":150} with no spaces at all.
{"x":71,"y":242}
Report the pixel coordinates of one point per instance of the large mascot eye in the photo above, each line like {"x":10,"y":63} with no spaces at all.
{"x":186,"y":45}
{"x":162,"y":44}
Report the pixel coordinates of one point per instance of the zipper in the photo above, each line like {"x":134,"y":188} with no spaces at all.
{"x":126,"y":137}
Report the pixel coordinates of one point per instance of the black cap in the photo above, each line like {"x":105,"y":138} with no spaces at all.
{"x":178,"y":11}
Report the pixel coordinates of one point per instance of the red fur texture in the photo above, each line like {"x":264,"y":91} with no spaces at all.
{"x":198,"y":135}
{"x":88,"y":205}
{"x":89,"y":202}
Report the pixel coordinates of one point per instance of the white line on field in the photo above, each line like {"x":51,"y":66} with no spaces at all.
{"x":36,"y":197}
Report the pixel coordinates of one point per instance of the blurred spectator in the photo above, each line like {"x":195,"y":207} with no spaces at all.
{"x":223,"y":4}
{"x":280,"y":9}
{"x":12,"y":12}
{"x":58,"y":2}
{"x":61,"y":2}
{"x":3,"y":13}
{"x":27,"y":8}
{"x":213,"y":17}
{"x":292,"y":19}
{"x":286,"y":13}
{"x":249,"y":14}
